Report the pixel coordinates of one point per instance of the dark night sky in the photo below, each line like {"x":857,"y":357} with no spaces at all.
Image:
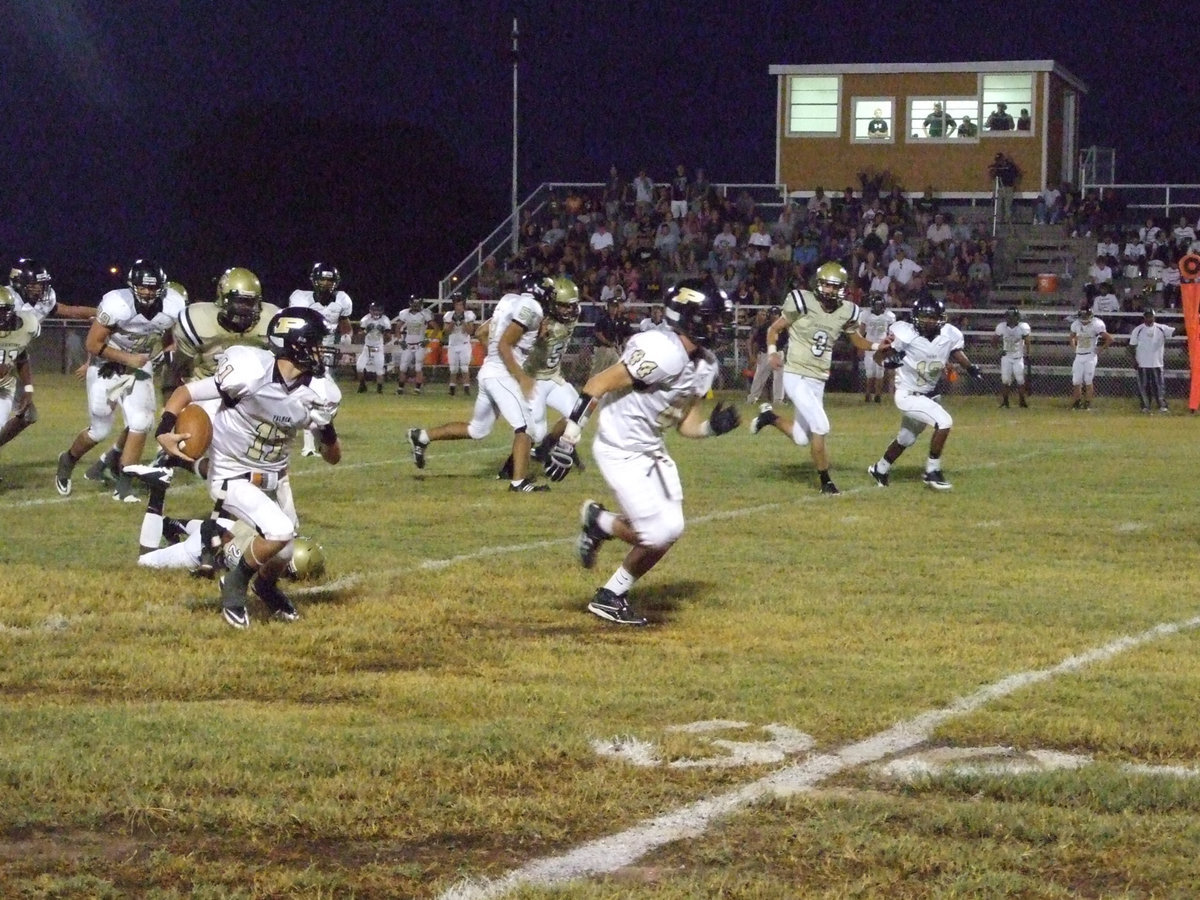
{"x":378,"y":135}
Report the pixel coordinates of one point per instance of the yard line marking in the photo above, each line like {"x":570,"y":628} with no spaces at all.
{"x":606,"y":855}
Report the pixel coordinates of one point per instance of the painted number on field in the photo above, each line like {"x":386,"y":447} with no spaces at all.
{"x":777,"y":742}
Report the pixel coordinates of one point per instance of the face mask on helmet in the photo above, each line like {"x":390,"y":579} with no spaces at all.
{"x":148,"y":282}
{"x":1085,"y":314}
{"x":928,"y":318}
{"x":296,"y":334}
{"x":831,"y":285}
{"x":10,"y":319}
{"x":239,"y":300}
{"x":1012,"y":318}
{"x":878,"y":306}
{"x":564,"y":303}
{"x":308,"y":559}
{"x":325,"y":280}
{"x":30,"y":280}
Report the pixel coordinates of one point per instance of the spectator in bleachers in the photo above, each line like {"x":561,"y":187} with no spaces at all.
{"x":666,"y":244}
{"x":815,"y":201}
{"x":1183,"y":234}
{"x":487,"y":283}
{"x":785,"y":224}
{"x":939,"y":237}
{"x":723,"y":246}
{"x":896,"y":242}
{"x":807,"y":250}
{"x":680,"y":192}
{"x":905,"y":274}
{"x":1108,"y":248}
{"x":1133,"y":256}
{"x":615,"y":196}
{"x":728,"y":280}
{"x":1105,"y":301}
{"x":1149,"y":233}
{"x":925,"y":208}
{"x":1048,"y":211}
{"x":613,"y":290}
{"x":643,"y":193}
{"x":701,"y":191}
{"x":880,"y":284}
{"x":631,"y":279}
{"x":780,"y":253}
{"x":555,"y":234}
{"x":967,"y":128}
{"x":601,"y":241}
{"x":979,"y":280}
{"x":851,"y":208}
{"x":745,"y":296}
{"x":1099,"y":273}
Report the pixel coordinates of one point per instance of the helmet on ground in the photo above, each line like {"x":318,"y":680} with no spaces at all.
{"x":1012,"y":317}
{"x":831,"y":280}
{"x":295,"y":334}
{"x":148,"y":282}
{"x":325,"y":280}
{"x":239,"y":300}
{"x":308,"y":559}
{"x":30,"y":279}
{"x":929,"y":315}
{"x":699,"y":310}
{"x":564,"y":302}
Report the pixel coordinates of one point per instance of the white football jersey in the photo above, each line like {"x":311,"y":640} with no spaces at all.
{"x":665,"y":381}
{"x":526,"y":312}
{"x":1086,"y":335}
{"x":39,"y":310}
{"x":332,"y":312}
{"x":374,"y":328}
{"x":132,"y":331}
{"x":260,"y":415}
{"x":924,"y":359}
{"x":457,"y":333}
{"x":1012,"y":338}
{"x":412,"y":324}
{"x":875,"y":326}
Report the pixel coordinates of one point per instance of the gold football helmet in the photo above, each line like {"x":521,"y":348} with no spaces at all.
{"x":239,"y":300}
{"x":831,"y":281}
{"x":308,"y":559}
{"x":564,"y":303}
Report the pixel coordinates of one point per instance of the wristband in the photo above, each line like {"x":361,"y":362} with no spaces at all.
{"x":874,"y":346}
{"x":580,"y":408}
{"x":166,"y":425}
{"x":772,"y":349}
{"x":29,"y":388}
{"x":571,"y":432}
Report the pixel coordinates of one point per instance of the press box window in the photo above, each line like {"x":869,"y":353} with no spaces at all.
{"x":874,"y":119}
{"x":813,"y":102}
{"x":938,"y":119}
{"x":1015,"y":91}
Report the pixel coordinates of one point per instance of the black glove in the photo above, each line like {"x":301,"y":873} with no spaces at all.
{"x":560,"y":460}
{"x":724,"y":419}
{"x":894,"y":359}
{"x":975,"y":372}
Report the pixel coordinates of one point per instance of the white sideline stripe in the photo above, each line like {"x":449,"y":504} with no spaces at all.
{"x":608,"y":854}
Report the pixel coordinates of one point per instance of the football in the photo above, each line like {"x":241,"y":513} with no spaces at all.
{"x":194,"y":421}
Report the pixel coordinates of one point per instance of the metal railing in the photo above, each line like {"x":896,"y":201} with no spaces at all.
{"x":1154,"y":199}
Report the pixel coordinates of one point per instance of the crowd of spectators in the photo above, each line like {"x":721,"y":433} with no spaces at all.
{"x":632,"y":240}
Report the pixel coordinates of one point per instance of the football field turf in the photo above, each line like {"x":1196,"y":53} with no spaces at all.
{"x":985,"y":692}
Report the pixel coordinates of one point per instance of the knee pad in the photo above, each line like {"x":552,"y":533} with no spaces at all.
{"x":477,"y":432}
{"x":906,"y":438}
{"x":799,"y":434}
{"x":99,"y":429}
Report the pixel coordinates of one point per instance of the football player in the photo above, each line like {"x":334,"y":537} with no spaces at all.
{"x":266,"y":397}
{"x":17,"y":331}
{"x":1012,"y":335}
{"x":658,"y":382}
{"x":335,"y":308}
{"x":1089,"y":334}
{"x":873,"y":325}
{"x":813,"y":323}
{"x":376,"y":330}
{"x":459,"y":325}
{"x":130,"y":336}
{"x":920,"y":352}
{"x":506,"y":390}
{"x":409,"y":325}
{"x":544,"y":365}
{"x":30,"y":291}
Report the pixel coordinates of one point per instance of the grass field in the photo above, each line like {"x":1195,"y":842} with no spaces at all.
{"x":985,"y":693}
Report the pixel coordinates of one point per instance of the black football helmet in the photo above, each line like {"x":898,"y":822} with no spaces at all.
{"x":878,"y":304}
{"x":325,"y":280}
{"x":30,"y":280}
{"x":831,"y":280}
{"x":148,"y":282}
{"x":564,"y":302}
{"x":415,"y":303}
{"x":239,"y":300}
{"x":699,"y":310}
{"x":1085,"y":313}
{"x":538,"y":286}
{"x":928,"y":316}
{"x":376,"y":309}
{"x":1012,"y":318}
{"x":296,"y":334}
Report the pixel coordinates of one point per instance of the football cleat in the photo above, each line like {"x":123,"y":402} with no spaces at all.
{"x":614,"y":608}
{"x":937,"y":481}
{"x":881,"y":478}
{"x":237,"y":616}
{"x":276,"y":600}
{"x":124,"y":489}
{"x":152,"y":476}
{"x":528,"y":486}
{"x":62,"y":477}
{"x":100,"y":470}
{"x":829,"y":488}
{"x":418,"y":449}
{"x":590,"y":536}
{"x":174,"y":530}
{"x":766,"y":416}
